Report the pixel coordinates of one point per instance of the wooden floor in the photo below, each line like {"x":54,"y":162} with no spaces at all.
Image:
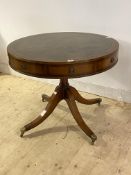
{"x":58,"y":146}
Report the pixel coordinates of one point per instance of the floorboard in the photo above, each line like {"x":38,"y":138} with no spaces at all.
{"x":58,"y":146}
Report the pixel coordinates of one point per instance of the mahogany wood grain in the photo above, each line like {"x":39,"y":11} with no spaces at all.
{"x":67,"y":54}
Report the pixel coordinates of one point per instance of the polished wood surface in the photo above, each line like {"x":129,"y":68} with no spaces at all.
{"x":70,"y":94}
{"x":63,"y":55}
{"x":67,"y":54}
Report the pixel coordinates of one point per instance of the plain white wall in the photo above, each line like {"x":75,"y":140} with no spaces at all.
{"x":113,"y":18}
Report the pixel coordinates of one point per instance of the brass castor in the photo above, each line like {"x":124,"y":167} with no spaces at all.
{"x":22,"y":130}
{"x":93,"y":138}
{"x":45,"y":97}
{"x":99,"y":101}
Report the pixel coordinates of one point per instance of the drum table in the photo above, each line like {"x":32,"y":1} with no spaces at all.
{"x":62,"y":56}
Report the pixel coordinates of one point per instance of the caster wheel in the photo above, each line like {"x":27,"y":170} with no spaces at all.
{"x":45,"y":97}
{"x":99,"y":101}
{"x":22,"y":130}
{"x":93,"y":139}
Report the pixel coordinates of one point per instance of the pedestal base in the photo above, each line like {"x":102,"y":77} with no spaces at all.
{"x":70,"y":94}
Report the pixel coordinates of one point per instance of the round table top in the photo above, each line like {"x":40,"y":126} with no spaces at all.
{"x":48,"y":51}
